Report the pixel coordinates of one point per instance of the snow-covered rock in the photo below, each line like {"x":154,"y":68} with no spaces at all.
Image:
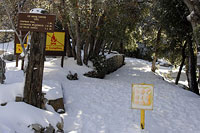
{"x":18,"y":117}
{"x":37,"y":10}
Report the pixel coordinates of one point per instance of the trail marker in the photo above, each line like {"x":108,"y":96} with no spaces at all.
{"x":36,"y":22}
{"x":142,"y":98}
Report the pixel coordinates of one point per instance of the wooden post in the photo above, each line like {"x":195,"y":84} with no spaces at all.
{"x":17,"y":60}
{"x":22,"y":66}
{"x":34,"y":72}
{"x":62,"y":61}
{"x":142,"y":119}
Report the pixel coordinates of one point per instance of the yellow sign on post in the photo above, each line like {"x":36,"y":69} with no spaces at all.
{"x":19,"y":48}
{"x":55,"y":41}
{"x":142,"y":118}
{"x":142,"y":98}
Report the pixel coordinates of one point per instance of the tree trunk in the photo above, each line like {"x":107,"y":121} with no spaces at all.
{"x":187,"y":69}
{"x":194,"y":17}
{"x":98,"y":47}
{"x":73,"y":40}
{"x":121,"y":48}
{"x":91,"y":47}
{"x":192,"y":68}
{"x":153,"y":67}
{"x":68,"y":43}
{"x":78,"y":43}
{"x":182,"y":63}
{"x":34,"y":73}
{"x":110,"y":48}
{"x":86,"y":51}
{"x":74,"y":48}
{"x":99,"y":35}
{"x":103,"y":47}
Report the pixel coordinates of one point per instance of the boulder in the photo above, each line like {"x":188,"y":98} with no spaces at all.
{"x":18,"y":99}
{"x":71,"y":76}
{"x":9,"y":57}
{"x":49,"y":129}
{"x":53,"y":95}
{"x":37,"y":128}
{"x":106,"y":66}
{"x":57,"y":104}
{"x":60,"y":126}
{"x":114,"y":63}
{"x":3,"y":104}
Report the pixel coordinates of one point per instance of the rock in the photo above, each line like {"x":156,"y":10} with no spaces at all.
{"x":95,"y":74}
{"x":37,"y":128}
{"x":44,"y":99}
{"x":109,"y":65}
{"x":3,"y":104}
{"x":60,"y":111}
{"x":18,"y":99}
{"x":71,"y":76}
{"x":57,"y":104}
{"x":9,"y":57}
{"x":114,"y":63}
{"x":49,"y":129}
{"x":60,"y":125}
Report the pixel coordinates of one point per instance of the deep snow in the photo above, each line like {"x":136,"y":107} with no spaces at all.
{"x":100,"y":105}
{"x":103,"y":105}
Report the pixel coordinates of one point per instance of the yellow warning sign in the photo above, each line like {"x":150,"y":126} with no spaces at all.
{"x":142,"y":96}
{"x":19,"y":48}
{"x":55,"y":41}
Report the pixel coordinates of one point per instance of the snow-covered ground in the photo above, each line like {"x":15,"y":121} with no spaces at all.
{"x":100,"y":105}
{"x":170,"y":74}
{"x":103,"y":105}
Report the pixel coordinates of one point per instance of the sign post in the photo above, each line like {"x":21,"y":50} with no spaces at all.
{"x":142,"y":118}
{"x":142,"y":98}
{"x":38,"y":24}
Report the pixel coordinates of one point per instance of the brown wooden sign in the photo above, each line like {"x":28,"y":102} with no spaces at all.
{"x":36,"y":22}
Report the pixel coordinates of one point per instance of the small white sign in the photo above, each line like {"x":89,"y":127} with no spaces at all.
{"x":142,"y":96}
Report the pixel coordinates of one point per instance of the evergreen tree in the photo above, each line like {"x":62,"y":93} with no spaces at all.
{"x":171,"y":14}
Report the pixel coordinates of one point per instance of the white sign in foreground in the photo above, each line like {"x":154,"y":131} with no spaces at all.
{"x":142,"y":96}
